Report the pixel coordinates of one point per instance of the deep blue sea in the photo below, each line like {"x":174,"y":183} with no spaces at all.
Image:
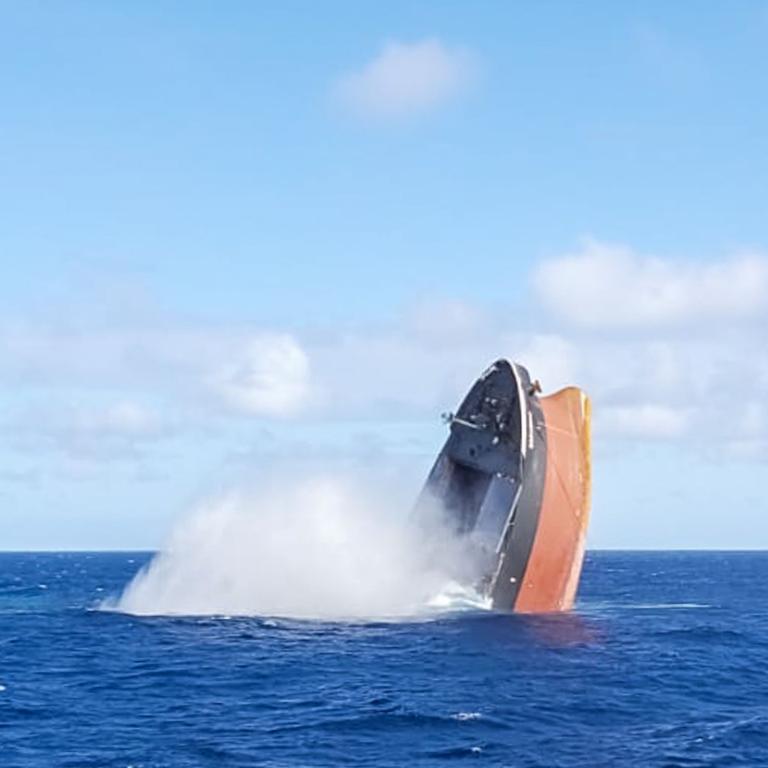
{"x":664,"y":663}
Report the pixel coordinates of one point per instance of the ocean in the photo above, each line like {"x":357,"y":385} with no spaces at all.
{"x":664,"y":662}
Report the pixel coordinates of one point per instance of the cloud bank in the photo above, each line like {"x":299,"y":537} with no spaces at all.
{"x":669,"y":349}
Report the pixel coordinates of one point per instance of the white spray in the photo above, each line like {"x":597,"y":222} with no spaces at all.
{"x":325,"y":548}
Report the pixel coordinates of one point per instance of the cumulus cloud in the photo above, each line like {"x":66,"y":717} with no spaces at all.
{"x":612,"y":286}
{"x":406,"y":79}
{"x":271,"y":378}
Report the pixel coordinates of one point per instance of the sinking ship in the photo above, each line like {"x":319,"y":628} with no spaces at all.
{"x":512,"y":482}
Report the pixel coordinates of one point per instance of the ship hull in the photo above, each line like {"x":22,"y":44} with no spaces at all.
{"x":512,"y":482}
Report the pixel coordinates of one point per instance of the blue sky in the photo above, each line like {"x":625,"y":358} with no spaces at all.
{"x":244,"y":235}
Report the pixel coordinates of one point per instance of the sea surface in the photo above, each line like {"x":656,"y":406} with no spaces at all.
{"x":663,"y":663}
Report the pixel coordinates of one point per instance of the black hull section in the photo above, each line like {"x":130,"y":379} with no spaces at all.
{"x":488,"y":480}
{"x":519,"y":538}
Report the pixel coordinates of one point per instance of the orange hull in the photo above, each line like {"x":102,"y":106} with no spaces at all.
{"x":554,"y":565}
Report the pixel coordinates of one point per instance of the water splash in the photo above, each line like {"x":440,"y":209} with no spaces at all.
{"x":325,"y":548}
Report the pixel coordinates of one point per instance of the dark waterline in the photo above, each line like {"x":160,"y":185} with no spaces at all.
{"x":664,"y":663}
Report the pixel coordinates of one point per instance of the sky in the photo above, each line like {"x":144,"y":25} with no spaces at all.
{"x":244,"y":239}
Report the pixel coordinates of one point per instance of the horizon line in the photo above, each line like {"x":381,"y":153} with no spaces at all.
{"x":145,"y":551}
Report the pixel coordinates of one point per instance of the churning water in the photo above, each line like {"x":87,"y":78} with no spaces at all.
{"x":326,"y":548}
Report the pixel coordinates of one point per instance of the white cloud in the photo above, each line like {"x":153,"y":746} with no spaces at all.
{"x":613,"y":286}
{"x":552,"y":359}
{"x":645,"y":420}
{"x":94,"y":432}
{"x":255,"y":371}
{"x":407,"y":78}
{"x":646,"y":383}
{"x":644,"y":387}
{"x":271,"y":377}
{"x":122,"y":418}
